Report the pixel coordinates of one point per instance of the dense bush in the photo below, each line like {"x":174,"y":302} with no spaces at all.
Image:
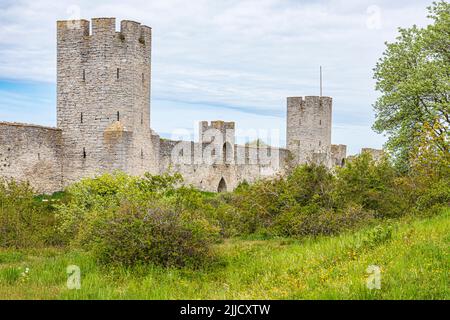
{"x":130,"y":220}
{"x":374,"y":185}
{"x":160,"y":236}
{"x":430,"y":168}
{"x":25,"y":220}
{"x":313,"y":201}
{"x":296,"y":205}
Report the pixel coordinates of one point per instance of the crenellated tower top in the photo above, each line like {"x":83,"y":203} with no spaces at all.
{"x":130,"y":31}
{"x":103,"y":93}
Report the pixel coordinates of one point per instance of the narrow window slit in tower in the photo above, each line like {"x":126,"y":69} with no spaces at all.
{"x":118,"y":116}
{"x":320,"y":122}
{"x":84,"y":153}
{"x":118,"y":73}
{"x":81,"y":117}
{"x":84,"y":75}
{"x":142,"y":118}
{"x":142,"y":154}
{"x":320,"y":143}
{"x":143,"y":78}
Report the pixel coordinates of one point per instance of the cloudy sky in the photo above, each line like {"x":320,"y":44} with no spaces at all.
{"x":219,"y":59}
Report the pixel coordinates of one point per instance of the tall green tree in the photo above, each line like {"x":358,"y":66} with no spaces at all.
{"x":413,"y":77}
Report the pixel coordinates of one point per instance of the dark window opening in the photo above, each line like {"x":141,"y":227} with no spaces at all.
{"x":143,"y":79}
{"x":224,"y":152}
{"x":84,"y":153}
{"x":320,"y":122}
{"x":227,"y":152}
{"x":142,"y":154}
{"x":320,"y":143}
{"x":118,"y":116}
{"x":81,"y":117}
{"x":118,"y":73}
{"x":142,"y":118}
{"x":39,"y":156}
{"x":84,"y":75}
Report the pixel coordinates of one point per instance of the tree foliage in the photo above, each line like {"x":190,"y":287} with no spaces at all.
{"x":413,"y":77}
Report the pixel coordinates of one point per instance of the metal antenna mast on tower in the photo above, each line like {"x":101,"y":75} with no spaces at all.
{"x":321,"y":81}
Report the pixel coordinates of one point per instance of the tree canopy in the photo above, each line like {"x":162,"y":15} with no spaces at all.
{"x":413,"y":77}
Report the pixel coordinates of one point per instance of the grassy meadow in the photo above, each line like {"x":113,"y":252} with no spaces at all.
{"x":413,"y":254}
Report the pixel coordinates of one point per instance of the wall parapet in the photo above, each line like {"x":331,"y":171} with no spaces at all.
{"x":20,"y":124}
{"x":105,"y":27}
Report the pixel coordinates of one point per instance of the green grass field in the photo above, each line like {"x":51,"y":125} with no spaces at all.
{"x":413,"y":257}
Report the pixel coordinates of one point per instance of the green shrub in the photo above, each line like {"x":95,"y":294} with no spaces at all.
{"x":130,"y":236}
{"x":90,"y":195}
{"x":131,"y":220}
{"x":110,"y":190}
{"x":25,"y":221}
{"x":314,"y":221}
{"x":435,"y":197}
{"x":374,"y":185}
{"x":294,"y":205}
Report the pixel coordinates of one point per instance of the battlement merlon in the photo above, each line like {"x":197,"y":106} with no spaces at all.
{"x":225,"y":129}
{"x":217,"y":124}
{"x":338,"y":147}
{"x":309,"y":101}
{"x":130,"y":31}
{"x":103,"y":26}
{"x":73,"y":27}
{"x":133,"y":31}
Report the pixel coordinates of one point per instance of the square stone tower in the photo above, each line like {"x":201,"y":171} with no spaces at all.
{"x":103,"y":97}
{"x":218,"y":141}
{"x":309,"y":129}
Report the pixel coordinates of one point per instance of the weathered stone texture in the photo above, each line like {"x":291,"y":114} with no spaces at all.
{"x":212,"y":167}
{"x":309,"y":129}
{"x":103,"y":97}
{"x":31,"y":153}
{"x":338,"y":154}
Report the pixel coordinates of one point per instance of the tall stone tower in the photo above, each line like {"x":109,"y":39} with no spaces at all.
{"x":103,"y":97}
{"x":309,"y":129}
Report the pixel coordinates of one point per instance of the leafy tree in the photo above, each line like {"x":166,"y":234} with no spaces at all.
{"x":430,"y":174}
{"x":413,"y":77}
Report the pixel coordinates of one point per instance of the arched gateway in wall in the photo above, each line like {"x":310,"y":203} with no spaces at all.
{"x":222,"y":186}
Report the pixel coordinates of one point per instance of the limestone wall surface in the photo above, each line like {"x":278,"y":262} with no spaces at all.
{"x":338,"y":154}
{"x":201,"y":167}
{"x":103,"y":97}
{"x":32,"y":153}
{"x":308,"y":128}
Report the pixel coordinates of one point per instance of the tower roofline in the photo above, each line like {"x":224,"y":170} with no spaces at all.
{"x":109,"y":22}
{"x":309,"y":97}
